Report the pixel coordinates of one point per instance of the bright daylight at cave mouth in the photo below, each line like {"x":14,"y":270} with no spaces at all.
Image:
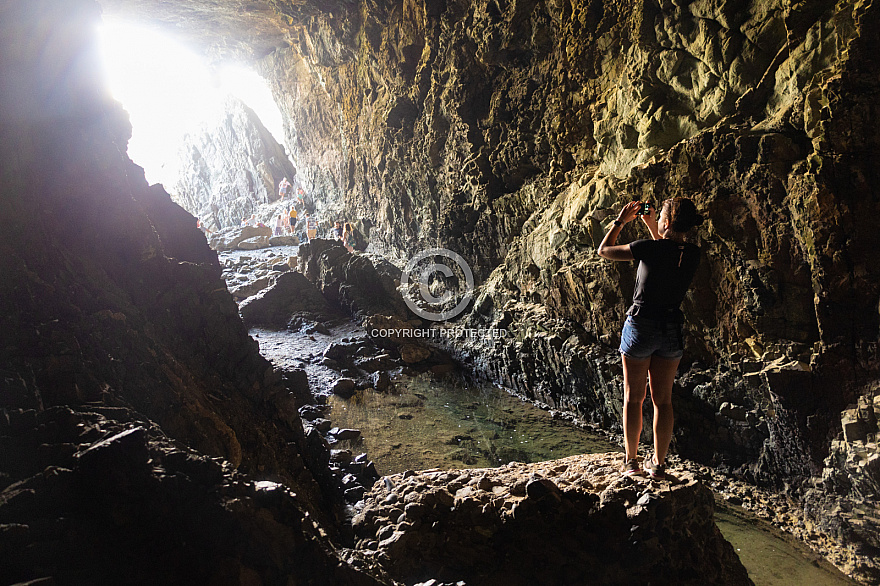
{"x":170,"y":91}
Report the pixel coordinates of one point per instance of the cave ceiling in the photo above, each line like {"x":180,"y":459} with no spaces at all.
{"x":240,"y":29}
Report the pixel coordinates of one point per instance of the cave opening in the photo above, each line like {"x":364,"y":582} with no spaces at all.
{"x":175,"y":97}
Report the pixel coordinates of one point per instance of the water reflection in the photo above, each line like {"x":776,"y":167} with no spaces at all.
{"x":427,"y":422}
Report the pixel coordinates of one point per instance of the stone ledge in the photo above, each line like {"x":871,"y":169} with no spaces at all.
{"x":569,"y":521}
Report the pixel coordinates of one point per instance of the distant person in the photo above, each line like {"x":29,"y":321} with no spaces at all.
{"x":301,"y":197}
{"x":244,"y":222}
{"x":311,"y":227}
{"x":348,"y":238}
{"x":292,"y":219}
{"x":279,"y":224}
{"x":337,"y":230}
{"x":284,"y":188}
{"x":205,"y":230}
{"x":651,"y":344}
{"x":285,"y":224}
{"x":252,"y":221}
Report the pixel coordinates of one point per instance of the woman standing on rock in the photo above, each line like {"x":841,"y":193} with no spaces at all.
{"x":651,"y":343}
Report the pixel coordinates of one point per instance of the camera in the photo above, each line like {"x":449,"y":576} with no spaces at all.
{"x":644,"y":209}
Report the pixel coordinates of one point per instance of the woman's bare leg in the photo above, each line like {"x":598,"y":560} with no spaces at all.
{"x":635,"y":380}
{"x":662,"y":374}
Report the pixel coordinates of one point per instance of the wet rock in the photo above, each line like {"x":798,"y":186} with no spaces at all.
{"x":855,"y":428}
{"x":253,"y":243}
{"x":344,"y":387}
{"x":124,"y":454}
{"x":379,"y":362}
{"x":355,"y":493}
{"x":284,"y":241}
{"x":250,"y":288}
{"x":320,"y":424}
{"x":231,"y":238}
{"x":381,"y":381}
{"x":311,"y":412}
{"x":735,"y":412}
{"x":413,"y":353}
{"x":340,"y":350}
{"x":341,"y":457}
{"x":341,"y":434}
{"x":357,"y":282}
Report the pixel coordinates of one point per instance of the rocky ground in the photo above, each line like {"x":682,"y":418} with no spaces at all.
{"x":105,"y":497}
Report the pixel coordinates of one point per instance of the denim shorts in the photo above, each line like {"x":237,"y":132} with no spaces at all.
{"x":642,"y":338}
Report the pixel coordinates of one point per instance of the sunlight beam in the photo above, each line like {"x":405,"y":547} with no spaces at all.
{"x":169,"y":91}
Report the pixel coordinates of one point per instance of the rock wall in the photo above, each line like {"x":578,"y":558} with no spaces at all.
{"x":108,"y":286}
{"x":113,"y":304}
{"x":229,"y":169}
{"x":510,"y":132}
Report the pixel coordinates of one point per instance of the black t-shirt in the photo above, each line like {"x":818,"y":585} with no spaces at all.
{"x":666,"y":269}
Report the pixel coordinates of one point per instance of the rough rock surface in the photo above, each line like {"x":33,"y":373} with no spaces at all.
{"x":569,"y":521}
{"x":248,"y":273}
{"x":227,"y":171}
{"x":291,"y":296}
{"x":511,"y":134}
{"x":111,"y":297}
{"x":230,"y":238}
{"x":362,"y":284}
{"x":101,"y":495}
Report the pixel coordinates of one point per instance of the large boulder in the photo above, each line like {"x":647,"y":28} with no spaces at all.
{"x":231,"y":238}
{"x":362,"y":284}
{"x":291,"y":295}
{"x":569,"y":521}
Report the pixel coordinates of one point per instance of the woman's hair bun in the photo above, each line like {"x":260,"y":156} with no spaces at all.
{"x":683,"y":214}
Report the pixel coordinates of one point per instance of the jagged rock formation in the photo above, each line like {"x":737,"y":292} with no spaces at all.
{"x":245,"y":278}
{"x":361,"y":284}
{"x":291,"y":296}
{"x":106,"y":497}
{"x":568,"y":521}
{"x":227,"y":171}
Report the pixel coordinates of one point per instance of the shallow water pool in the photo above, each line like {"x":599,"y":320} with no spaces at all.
{"x":444,"y":422}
